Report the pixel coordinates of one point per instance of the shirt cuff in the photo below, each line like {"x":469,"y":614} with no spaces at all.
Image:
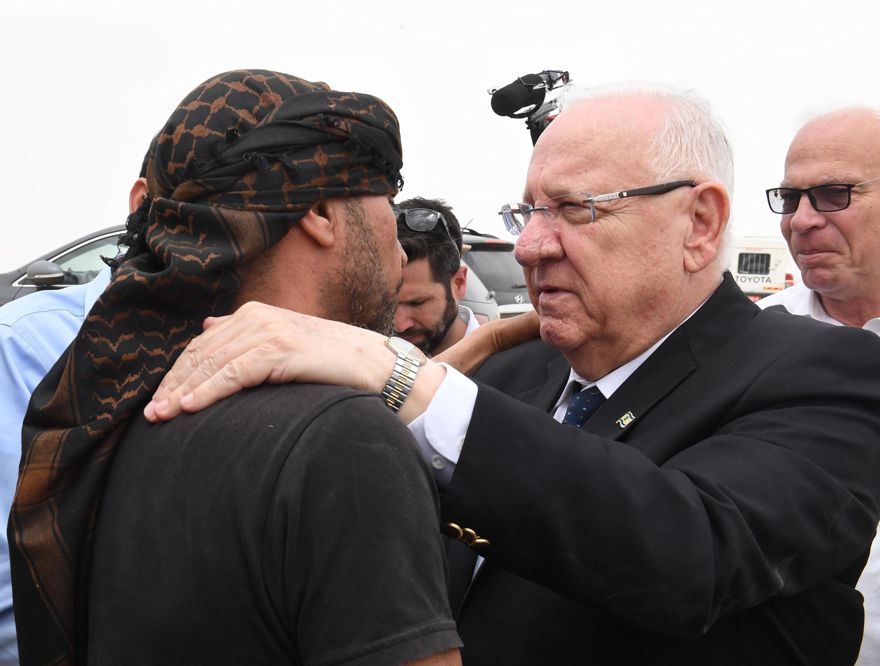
{"x":441,"y":429}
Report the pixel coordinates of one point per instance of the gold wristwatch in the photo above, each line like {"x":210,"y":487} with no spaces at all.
{"x":409,"y":359}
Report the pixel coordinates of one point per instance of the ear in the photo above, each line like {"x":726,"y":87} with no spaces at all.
{"x":319,"y":224}
{"x":137,"y":195}
{"x":459,"y":282}
{"x":710,"y":210}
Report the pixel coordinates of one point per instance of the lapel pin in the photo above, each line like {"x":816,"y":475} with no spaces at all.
{"x":625,"y":420}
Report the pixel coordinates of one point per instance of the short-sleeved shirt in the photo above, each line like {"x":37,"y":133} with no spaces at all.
{"x":286,"y":524}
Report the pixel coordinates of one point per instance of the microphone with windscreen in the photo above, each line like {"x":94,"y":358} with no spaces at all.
{"x":524,"y":98}
{"x":527,"y":91}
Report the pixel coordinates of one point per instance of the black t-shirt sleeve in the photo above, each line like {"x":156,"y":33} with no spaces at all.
{"x":353,"y":557}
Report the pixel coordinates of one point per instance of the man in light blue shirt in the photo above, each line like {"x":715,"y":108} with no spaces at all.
{"x":34,"y":331}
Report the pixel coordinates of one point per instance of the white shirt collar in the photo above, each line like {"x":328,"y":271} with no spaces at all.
{"x":818,"y":312}
{"x":612,"y":381}
{"x":608,"y":384}
{"x":468,"y":317}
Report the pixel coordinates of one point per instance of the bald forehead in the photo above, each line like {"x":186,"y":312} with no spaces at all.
{"x":631,"y":116}
{"x":607,"y":136}
{"x":861,"y":119}
{"x":841,"y":141}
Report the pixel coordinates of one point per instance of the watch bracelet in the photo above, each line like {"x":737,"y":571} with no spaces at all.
{"x":398,"y":386}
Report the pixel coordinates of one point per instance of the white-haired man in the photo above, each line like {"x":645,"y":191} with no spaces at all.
{"x":716,"y":507}
{"x":829,"y":200}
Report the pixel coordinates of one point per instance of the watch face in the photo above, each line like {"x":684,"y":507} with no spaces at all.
{"x":408,"y":349}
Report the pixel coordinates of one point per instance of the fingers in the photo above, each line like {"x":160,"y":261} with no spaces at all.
{"x":203,"y":356}
{"x":211,"y":383}
{"x":263,"y":343}
{"x":189,"y":372}
{"x":213,"y":352}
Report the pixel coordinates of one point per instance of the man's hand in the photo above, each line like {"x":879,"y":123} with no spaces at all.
{"x":471,"y":352}
{"x":261,"y":343}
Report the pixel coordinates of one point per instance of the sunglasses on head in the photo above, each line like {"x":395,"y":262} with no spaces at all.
{"x":423,"y":219}
{"x":827,"y":198}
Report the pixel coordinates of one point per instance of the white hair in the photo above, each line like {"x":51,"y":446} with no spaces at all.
{"x":691,"y":144}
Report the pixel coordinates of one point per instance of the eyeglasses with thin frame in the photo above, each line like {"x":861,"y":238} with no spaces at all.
{"x":826,"y":198}
{"x":577,"y":207}
{"x":423,"y":220}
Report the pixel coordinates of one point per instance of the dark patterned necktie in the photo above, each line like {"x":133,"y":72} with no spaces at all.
{"x":583,"y":404}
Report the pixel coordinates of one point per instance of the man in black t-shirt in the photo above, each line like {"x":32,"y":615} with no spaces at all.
{"x":292,"y":525}
{"x":289,"y":520}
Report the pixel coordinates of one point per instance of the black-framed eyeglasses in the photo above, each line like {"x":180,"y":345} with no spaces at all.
{"x":424,"y":220}
{"x":827,"y":198}
{"x":577,"y":207}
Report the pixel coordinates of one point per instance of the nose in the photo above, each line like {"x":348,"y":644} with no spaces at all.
{"x":402,"y":320}
{"x":539,"y":241}
{"x":403,"y":259}
{"x":805,"y":217}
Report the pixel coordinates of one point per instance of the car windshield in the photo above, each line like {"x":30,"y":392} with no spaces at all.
{"x":497,"y":269}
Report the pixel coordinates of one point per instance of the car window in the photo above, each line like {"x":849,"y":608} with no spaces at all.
{"x":83,"y":263}
{"x":498,"y":270}
{"x":87,"y":258}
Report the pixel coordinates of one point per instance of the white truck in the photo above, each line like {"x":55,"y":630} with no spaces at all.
{"x":762,"y":265}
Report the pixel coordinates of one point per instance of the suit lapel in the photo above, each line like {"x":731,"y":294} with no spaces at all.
{"x":544,"y":394}
{"x":721,"y":317}
{"x":667,"y":367}
{"x":692,"y":344}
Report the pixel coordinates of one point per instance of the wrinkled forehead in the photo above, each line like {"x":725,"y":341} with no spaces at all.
{"x":595,"y":145}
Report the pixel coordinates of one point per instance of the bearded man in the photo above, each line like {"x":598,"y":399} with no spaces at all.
{"x":294,"y":525}
{"x":429,"y":314}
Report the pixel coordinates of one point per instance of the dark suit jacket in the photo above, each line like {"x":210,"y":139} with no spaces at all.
{"x":717,"y":509}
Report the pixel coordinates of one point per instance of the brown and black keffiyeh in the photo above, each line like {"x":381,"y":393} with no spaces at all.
{"x":240,"y":161}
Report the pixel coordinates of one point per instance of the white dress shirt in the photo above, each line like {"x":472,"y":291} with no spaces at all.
{"x":441,"y":430}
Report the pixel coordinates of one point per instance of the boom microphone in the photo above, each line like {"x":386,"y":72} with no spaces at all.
{"x":527,"y":90}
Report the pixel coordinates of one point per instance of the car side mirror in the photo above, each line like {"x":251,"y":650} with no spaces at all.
{"x":45,"y":273}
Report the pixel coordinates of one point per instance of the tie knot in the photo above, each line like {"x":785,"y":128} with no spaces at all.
{"x":583,"y":403}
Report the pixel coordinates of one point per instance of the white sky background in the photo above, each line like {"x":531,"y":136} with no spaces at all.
{"x":84,"y":85}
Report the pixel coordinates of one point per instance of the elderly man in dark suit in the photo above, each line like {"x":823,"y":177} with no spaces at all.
{"x":718,"y":505}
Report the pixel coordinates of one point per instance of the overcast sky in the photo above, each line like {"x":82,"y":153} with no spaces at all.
{"x":85,"y":84}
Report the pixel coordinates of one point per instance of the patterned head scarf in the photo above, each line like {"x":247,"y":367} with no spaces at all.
{"x":239,"y":162}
